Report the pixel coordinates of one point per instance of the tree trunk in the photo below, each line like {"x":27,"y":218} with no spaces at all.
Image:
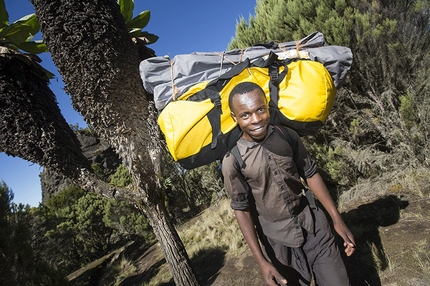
{"x":173,"y":249}
{"x":99,"y":64}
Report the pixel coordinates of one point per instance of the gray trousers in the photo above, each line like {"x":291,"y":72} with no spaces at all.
{"x":318,"y":256}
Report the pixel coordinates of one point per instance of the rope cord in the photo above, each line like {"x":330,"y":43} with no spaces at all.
{"x":174,"y":88}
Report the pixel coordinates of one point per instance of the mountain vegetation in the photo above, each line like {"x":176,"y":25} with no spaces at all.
{"x":373,"y":151}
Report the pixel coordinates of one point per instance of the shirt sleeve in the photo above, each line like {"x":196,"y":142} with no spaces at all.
{"x":235,"y":183}
{"x":305,"y":165}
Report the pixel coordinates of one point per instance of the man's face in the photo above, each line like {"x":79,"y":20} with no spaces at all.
{"x":251,"y":112}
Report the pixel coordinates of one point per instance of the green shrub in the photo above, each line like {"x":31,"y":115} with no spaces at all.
{"x":408,"y":111}
{"x":121,"y":177}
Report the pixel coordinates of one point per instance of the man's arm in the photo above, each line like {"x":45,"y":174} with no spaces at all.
{"x":318,"y":187}
{"x":246,"y":224}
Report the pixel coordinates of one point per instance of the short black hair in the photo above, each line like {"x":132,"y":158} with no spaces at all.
{"x":241,"y":88}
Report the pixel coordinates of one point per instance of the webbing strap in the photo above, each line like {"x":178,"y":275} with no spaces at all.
{"x":311,"y":199}
{"x":214,"y":116}
{"x":275,"y":79}
{"x":214,"y":87}
{"x":236,"y":154}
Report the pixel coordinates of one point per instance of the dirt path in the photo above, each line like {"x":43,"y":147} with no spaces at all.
{"x":391,"y":234}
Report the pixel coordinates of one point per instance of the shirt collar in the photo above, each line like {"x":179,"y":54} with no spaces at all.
{"x":244,"y":145}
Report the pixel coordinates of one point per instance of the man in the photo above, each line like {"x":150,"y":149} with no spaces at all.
{"x":267,"y":198}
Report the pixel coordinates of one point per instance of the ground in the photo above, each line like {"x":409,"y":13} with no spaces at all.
{"x":392,"y":235}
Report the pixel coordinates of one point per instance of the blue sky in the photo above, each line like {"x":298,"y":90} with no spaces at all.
{"x":183,"y":27}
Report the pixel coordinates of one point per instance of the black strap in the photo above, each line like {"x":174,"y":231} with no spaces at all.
{"x":311,"y":199}
{"x":236,"y":154}
{"x":214,"y":117}
{"x":275,"y":79}
{"x":215,"y":86}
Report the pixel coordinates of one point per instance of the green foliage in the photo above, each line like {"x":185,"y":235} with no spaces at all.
{"x":121,"y":177}
{"x":187,"y":192}
{"x":19,"y":35}
{"x":408,"y":111}
{"x":65,"y":199}
{"x":333,"y":161}
{"x":98,"y":171}
{"x":129,"y":222}
{"x":281,"y":21}
{"x":19,"y":263}
{"x":136,"y":24}
{"x":80,"y":227}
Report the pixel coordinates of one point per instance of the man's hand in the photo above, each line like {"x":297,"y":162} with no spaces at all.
{"x":271,"y":276}
{"x":347,"y":237}
{"x":318,"y":187}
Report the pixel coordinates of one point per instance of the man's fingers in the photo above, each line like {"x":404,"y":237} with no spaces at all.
{"x":349,"y":248}
{"x":283,"y":281}
{"x":278,"y":281}
{"x":350,"y":244}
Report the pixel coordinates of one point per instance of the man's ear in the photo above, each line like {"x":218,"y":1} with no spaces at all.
{"x":233,"y":116}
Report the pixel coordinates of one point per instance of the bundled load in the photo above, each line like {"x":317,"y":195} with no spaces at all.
{"x":191,"y":92}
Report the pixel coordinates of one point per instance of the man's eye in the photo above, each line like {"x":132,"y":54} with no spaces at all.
{"x":246,"y":115}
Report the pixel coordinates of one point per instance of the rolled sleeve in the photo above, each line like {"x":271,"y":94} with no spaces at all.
{"x":311,"y":169}
{"x":235,"y":184}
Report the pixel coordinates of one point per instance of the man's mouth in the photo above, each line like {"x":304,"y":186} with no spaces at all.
{"x":258,"y":129}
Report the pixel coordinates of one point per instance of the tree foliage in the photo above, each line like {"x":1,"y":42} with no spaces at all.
{"x":79,"y":227}
{"x":19,"y":264}
{"x":136,"y":24}
{"x":280,"y":21}
{"x":121,"y":177}
{"x":380,"y":118}
{"x":19,"y":34}
{"x":188,"y":192}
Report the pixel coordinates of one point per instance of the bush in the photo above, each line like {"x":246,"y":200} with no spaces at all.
{"x":121,"y":177}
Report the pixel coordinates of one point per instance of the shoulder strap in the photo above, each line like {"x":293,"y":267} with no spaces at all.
{"x":236,"y":154}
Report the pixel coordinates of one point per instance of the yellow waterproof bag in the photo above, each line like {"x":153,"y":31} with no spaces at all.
{"x":198,"y":126}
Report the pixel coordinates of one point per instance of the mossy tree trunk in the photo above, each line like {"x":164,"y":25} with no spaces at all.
{"x":98,"y":62}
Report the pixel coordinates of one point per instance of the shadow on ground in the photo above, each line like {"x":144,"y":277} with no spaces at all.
{"x":206,"y":263}
{"x":364,"y":222}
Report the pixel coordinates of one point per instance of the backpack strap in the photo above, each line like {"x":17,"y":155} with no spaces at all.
{"x":212,"y":91}
{"x":236,"y":154}
{"x":311,"y":198}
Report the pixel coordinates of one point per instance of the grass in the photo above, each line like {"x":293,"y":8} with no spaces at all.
{"x":124,"y":268}
{"x":413,"y":182}
{"x":216,"y":227}
{"x":207,"y":238}
{"x":370,"y":208}
{"x":421,"y":254}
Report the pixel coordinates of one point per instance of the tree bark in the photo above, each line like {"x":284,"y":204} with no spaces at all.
{"x":89,"y":43}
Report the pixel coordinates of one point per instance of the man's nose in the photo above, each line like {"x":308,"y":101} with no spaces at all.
{"x":255,"y":118}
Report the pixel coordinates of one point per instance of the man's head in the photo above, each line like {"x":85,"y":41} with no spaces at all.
{"x":248,"y":105}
